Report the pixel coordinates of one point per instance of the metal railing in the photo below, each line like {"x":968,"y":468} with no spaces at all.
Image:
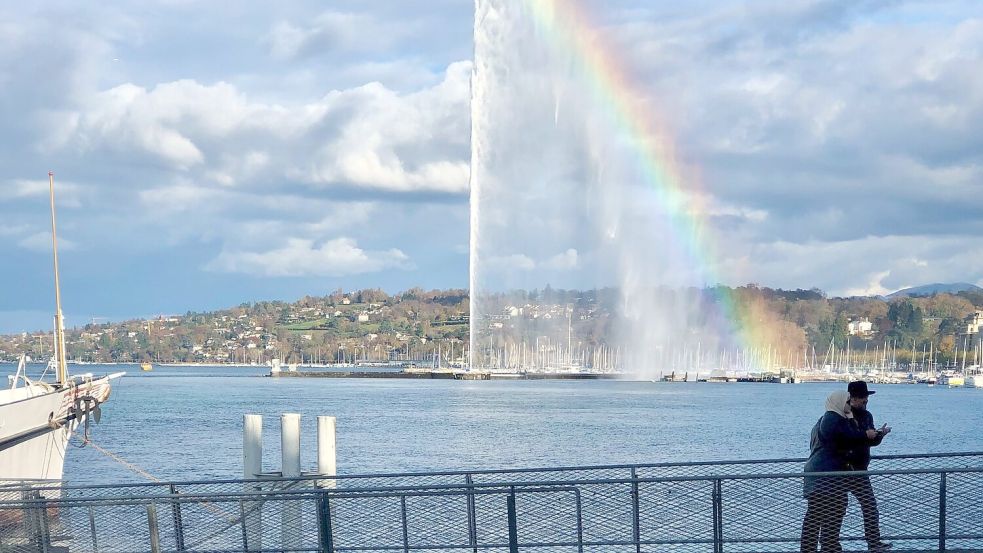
{"x":674,"y":507}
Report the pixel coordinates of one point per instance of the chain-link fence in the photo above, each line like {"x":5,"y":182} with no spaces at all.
{"x":923,"y":502}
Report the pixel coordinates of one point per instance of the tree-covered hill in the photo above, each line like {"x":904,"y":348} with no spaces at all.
{"x":371,"y":325}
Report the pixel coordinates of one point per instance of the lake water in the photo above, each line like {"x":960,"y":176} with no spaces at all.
{"x":185,"y":423}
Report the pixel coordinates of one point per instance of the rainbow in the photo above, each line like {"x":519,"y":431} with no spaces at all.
{"x":568,"y":27}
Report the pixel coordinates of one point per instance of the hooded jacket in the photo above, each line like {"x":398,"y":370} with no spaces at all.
{"x":832,"y":439}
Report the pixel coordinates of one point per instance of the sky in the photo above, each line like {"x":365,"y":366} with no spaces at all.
{"x":209,"y":154}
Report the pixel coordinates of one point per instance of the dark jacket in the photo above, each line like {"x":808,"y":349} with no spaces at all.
{"x":833,"y":437}
{"x":859,"y":457}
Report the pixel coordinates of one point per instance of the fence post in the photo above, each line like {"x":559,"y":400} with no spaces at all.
{"x":152,"y":525}
{"x":92,"y":529}
{"x":246,"y":540}
{"x":325,"y":538}
{"x":472,"y":515}
{"x":942,"y":511}
{"x":406,"y":538}
{"x":580,"y":521}
{"x":718,"y":517}
{"x":178,"y":522}
{"x":513,"y":526}
{"x":39,"y":523}
{"x":636,"y":531}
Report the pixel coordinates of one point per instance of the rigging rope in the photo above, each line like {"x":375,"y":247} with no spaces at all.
{"x":121,"y":460}
{"x":230,"y":519}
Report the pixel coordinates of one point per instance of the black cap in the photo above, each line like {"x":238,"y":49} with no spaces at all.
{"x":859,"y":389}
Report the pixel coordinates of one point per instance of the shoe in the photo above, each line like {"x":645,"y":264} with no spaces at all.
{"x":880,"y":546}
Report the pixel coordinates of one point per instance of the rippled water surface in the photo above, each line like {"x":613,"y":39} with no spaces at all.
{"x":186,"y":422}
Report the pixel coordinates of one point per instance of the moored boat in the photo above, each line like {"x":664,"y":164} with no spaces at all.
{"x":952,"y":380}
{"x":37,"y":417}
{"x":974,"y":377}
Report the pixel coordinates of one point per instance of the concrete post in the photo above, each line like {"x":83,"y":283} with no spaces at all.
{"x":290,"y":522}
{"x":327,"y":456}
{"x":252,"y":446}
{"x":252,"y":466}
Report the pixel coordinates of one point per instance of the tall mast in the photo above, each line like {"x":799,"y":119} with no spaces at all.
{"x":59,"y":322}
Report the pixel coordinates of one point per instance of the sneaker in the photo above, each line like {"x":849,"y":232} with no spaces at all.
{"x":880,"y":546}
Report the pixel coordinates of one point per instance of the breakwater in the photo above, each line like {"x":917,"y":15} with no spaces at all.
{"x":450,"y":375}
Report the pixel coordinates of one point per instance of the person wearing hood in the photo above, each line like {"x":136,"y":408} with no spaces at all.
{"x":832,"y":439}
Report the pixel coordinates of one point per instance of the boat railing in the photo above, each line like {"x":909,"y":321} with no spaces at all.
{"x":737,"y":506}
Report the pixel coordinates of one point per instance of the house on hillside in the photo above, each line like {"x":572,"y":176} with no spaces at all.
{"x":861,"y":327}
{"x":973,"y":322}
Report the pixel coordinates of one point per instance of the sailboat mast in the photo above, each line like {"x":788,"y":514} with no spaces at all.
{"x":59,"y":321}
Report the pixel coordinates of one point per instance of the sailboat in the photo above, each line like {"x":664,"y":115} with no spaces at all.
{"x":973,"y":373}
{"x":37,"y":417}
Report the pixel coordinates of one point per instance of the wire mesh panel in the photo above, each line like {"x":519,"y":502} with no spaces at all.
{"x":761,"y":514}
{"x":679,"y":513}
{"x":963,"y":508}
{"x":622,"y":509}
{"x":437,"y":520}
{"x":367,"y":522}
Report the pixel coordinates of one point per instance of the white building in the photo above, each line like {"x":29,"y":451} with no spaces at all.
{"x":860,"y":327}
{"x":974,"y":322}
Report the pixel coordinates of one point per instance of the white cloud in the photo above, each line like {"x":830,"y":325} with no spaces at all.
{"x":13,"y":230}
{"x":874,"y":287}
{"x":303,"y":257}
{"x":562,"y":261}
{"x":337,"y":31}
{"x":41,"y":242}
{"x":367,"y":137}
{"x":835,"y":140}
{"x":517,"y":261}
{"x":67,"y":194}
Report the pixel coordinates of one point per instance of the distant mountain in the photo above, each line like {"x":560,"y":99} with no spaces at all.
{"x":937,"y":288}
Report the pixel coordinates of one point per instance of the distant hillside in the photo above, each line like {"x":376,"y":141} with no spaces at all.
{"x":936,"y":288}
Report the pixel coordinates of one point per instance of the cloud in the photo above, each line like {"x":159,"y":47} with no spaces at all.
{"x":517,"y":261}
{"x":368,"y":137}
{"x":873,"y":288}
{"x":67,"y":194}
{"x":302,"y":257}
{"x":562,"y":261}
{"x":828,"y":142}
{"x":41,"y":242}
{"x":338,"y":31}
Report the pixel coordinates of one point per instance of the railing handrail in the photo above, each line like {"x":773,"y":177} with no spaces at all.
{"x":477,"y":486}
{"x":525,"y":470}
{"x":549,"y":509}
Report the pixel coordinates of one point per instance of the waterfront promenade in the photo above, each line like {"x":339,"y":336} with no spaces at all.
{"x":928,"y":503}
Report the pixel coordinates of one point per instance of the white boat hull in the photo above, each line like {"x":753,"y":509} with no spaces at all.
{"x":36,"y":422}
{"x":975,"y":381}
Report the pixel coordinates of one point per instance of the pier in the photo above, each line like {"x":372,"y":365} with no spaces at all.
{"x":927,"y":502}
{"x":426,"y":374}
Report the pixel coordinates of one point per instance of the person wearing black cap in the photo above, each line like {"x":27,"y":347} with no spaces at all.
{"x":859,"y":459}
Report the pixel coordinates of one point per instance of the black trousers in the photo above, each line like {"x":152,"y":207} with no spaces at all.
{"x":860,"y":487}
{"x":823,"y":520}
